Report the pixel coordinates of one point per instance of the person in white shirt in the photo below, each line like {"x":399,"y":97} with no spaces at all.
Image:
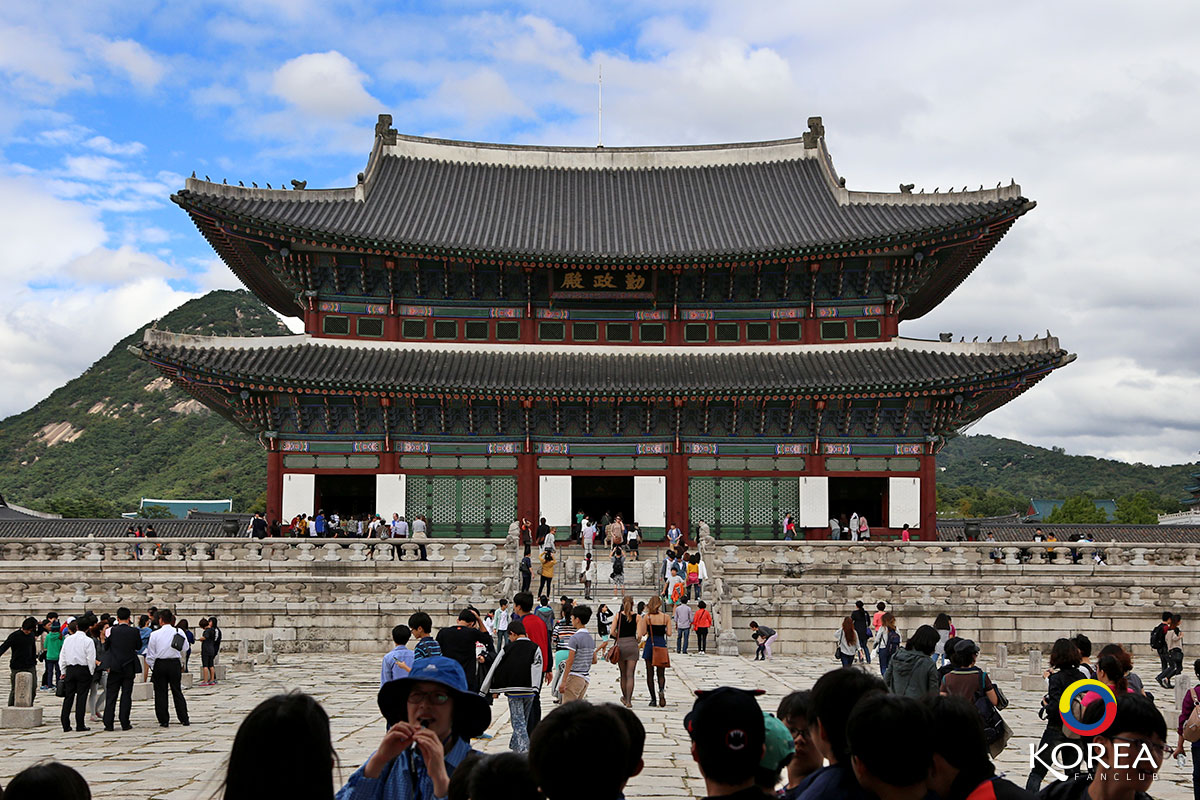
{"x":588,"y":536}
{"x":501,"y":618}
{"x":165,"y":659}
{"x":399,"y":527}
{"x":548,"y":542}
{"x":78,"y":662}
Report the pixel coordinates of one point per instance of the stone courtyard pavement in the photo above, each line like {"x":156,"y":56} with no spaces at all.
{"x":180,"y":763}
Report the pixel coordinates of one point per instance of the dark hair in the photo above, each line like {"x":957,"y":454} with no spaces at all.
{"x":517,"y":627}
{"x":636,"y":732}
{"x":143,"y":620}
{"x":832,"y":699}
{"x":701,"y":604}
{"x":1175,"y":620}
{"x":29,"y":624}
{"x":871,"y":736}
{"x":924,"y":640}
{"x":123,"y":613}
{"x":753,"y":624}
{"x":958,"y":736}
{"x":460,"y":780}
{"x":1136,"y":713}
{"x":942,"y":622}
{"x":467,"y":615}
{"x":575,"y":728}
{"x":794,"y":705}
{"x":401,"y":634}
{"x":288,"y":729}
{"x":1065,"y":654}
{"x":166,"y":617}
{"x":203,"y":622}
{"x":1196,"y":667}
{"x":1112,"y":669}
{"x":880,"y":606}
{"x":212,"y":620}
{"x":504,"y":776}
{"x":1117,"y":652}
{"x":1166,"y":616}
{"x":182,"y":624}
{"x":48,"y":780}
{"x":888,"y":620}
{"x":858,"y":603}
{"x":1083,"y":643}
{"x":963,"y":657}
{"x":582,"y":613}
{"x":419,"y":619}
{"x":523,"y":600}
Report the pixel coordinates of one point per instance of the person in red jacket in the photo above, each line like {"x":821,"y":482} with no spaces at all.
{"x":701,"y":623}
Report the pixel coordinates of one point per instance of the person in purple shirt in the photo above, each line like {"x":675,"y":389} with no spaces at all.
{"x":399,"y":660}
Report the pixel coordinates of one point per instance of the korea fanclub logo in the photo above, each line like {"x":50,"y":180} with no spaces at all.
{"x":1066,"y":758}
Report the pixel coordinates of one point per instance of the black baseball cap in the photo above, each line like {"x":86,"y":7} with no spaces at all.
{"x":727,"y":723}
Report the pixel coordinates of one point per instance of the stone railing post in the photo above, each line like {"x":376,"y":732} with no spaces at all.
{"x":434,"y":549}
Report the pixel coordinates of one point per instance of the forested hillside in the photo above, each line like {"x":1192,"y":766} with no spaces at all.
{"x":120,"y":431}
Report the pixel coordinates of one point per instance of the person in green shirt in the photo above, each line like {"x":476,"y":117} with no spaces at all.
{"x":52,"y":642}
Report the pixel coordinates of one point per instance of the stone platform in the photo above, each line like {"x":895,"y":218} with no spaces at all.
{"x":127,"y":764}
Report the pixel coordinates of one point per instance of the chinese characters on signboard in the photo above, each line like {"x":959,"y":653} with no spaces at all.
{"x":588,"y":281}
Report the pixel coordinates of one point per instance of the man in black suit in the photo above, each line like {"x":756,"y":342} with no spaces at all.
{"x":121,"y":654}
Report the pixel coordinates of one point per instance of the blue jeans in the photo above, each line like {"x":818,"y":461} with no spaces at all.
{"x":884,"y":659}
{"x":518,"y":712}
{"x":847,"y":661}
{"x":864,"y":641}
{"x":681,"y":640}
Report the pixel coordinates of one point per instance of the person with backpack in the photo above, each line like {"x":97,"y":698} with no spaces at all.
{"x":1189,"y":729}
{"x":969,"y":681}
{"x":1158,"y":640}
{"x":887,"y":641}
{"x":526,"y":571}
{"x":1174,"y":645}
{"x":862,"y":628}
{"x":674,"y":589}
{"x":1064,"y":660}
{"x":617,"y":575}
{"x":911,"y":672}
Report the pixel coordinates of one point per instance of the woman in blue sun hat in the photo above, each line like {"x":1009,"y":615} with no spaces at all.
{"x":431,"y":720}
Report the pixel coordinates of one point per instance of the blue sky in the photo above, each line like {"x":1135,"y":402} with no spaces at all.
{"x":106,"y":106}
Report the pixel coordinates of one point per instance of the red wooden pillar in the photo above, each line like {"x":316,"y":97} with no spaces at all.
{"x":677,"y":494}
{"x":391,"y":328}
{"x":275,"y":486}
{"x":928,"y":497}
{"x":389,"y":463}
{"x":527,"y":486}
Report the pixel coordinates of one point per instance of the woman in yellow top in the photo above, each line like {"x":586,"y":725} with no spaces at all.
{"x":547,"y":573}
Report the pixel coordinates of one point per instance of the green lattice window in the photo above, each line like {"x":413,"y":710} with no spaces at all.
{"x":742,"y":507}
{"x":463,"y":506}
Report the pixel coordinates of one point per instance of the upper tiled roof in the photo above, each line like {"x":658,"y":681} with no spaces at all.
{"x":636,"y":205}
{"x":575,"y":370}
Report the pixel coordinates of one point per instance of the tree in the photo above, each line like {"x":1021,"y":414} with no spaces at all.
{"x":155,"y":512}
{"x":84,"y":505}
{"x":1080,"y":510}
{"x":1135,"y":509}
{"x":259,"y":504}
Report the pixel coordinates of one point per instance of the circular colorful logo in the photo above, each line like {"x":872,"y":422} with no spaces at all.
{"x":1080,"y":690}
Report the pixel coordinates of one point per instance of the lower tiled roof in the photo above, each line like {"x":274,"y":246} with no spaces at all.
{"x":950,"y":530}
{"x":306,"y":363}
{"x":33,"y":528}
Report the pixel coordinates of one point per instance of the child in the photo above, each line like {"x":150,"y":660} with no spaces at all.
{"x":760,"y":643}
{"x":421,"y":627}
{"x":399,"y":660}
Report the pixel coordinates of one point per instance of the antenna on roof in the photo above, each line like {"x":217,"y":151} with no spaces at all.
{"x":599,"y":105}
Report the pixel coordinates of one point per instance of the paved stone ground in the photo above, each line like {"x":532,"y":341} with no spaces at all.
{"x":179,"y":763}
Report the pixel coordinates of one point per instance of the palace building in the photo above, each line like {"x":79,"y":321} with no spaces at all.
{"x":684,"y":335}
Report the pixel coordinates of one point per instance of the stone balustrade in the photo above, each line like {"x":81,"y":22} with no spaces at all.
{"x":337,"y":594}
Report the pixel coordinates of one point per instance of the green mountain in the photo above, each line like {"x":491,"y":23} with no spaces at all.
{"x":993,"y":474}
{"x":121,"y":431}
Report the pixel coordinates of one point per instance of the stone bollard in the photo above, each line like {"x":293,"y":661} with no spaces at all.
{"x":1002,"y":671}
{"x":243,"y":663}
{"x":727,"y":643}
{"x":143,"y":691}
{"x":23,"y":714}
{"x":268,"y":653}
{"x":221,"y":672}
{"x":1181,"y":690}
{"x":185,"y":680}
{"x":1033,"y":681}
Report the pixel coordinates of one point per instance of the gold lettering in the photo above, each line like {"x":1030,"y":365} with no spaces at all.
{"x":634,"y":281}
{"x":572,"y":280}
{"x":603,"y":281}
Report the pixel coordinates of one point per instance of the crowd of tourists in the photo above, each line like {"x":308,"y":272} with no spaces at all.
{"x":92,"y":661}
{"x":927,"y":726}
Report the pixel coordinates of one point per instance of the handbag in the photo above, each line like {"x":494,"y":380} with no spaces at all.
{"x":613,"y":656}
{"x":178,"y":641}
{"x":659,"y":657}
{"x":1001,"y":700}
{"x":1191,"y":726}
{"x":61,"y":689}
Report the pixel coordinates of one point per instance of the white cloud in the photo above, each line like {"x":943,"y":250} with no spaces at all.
{"x":324,"y":85}
{"x":135,"y":61}
{"x":107,"y":146}
{"x":91,"y":168}
{"x":107,"y":267}
{"x":42,"y":232}
{"x":480,"y":96}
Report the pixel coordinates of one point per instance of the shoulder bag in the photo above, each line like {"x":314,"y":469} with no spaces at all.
{"x":1191,"y":727}
{"x":659,"y":657}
